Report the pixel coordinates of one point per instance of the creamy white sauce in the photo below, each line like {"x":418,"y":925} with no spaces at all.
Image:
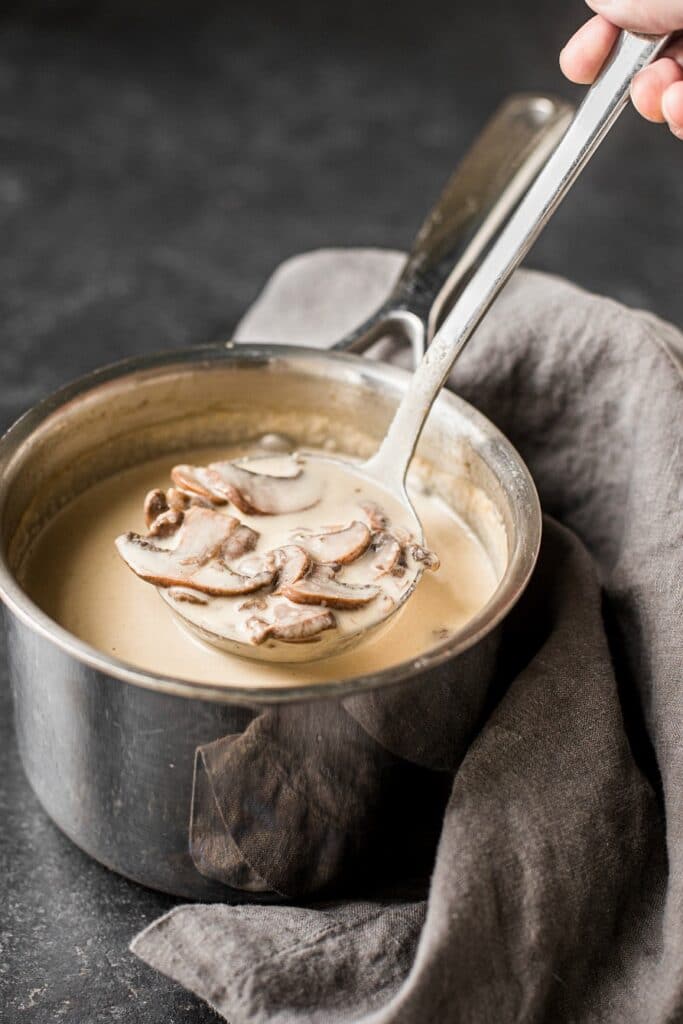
{"x":328,"y":496}
{"x":76,"y":576}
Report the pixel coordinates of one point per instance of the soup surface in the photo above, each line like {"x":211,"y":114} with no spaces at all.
{"x":77,"y":577}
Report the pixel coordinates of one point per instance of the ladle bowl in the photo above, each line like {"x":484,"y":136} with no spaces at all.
{"x":198,"y":617}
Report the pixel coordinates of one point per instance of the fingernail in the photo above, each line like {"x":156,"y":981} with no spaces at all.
{"x":676,"y":128}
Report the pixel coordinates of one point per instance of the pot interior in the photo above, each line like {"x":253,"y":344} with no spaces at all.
{"x":229,"y":395}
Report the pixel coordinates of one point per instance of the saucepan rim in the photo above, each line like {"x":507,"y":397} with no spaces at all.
{"x":504,"y":458}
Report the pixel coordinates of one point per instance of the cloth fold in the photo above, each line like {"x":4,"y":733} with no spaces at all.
{"x":305,"y":799}
{"x":556,"y":887}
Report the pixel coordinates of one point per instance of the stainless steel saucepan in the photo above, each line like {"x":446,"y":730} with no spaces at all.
{"x":117,"y":755}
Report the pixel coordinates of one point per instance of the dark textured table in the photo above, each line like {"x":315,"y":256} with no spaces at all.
{"x":154,"y":168}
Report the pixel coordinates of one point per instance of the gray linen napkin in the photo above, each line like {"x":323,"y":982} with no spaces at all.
{"x":557,"y":888}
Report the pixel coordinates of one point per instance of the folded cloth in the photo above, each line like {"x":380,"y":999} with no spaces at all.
{"x":305,"y":799}
{"x":557,"y":888}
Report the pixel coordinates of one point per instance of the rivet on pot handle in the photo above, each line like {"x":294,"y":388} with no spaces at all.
{"x":477,"y":200}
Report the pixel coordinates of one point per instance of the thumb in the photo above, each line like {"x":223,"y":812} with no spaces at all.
{"x":656,"y":16}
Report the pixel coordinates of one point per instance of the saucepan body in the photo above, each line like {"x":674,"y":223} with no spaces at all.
{"x":112,"y":751}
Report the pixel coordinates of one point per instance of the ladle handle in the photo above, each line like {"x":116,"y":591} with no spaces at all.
{"x":598,"y":112}
{"x":478,"y":197}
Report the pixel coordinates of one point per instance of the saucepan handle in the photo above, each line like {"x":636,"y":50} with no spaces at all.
{"x":477,"y":200}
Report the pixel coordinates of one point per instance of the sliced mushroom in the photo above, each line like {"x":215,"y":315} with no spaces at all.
{"x":387,"y":554}
{"x":196,"y":560}
{"x":203,"y":536}
{"x":293,"y":563}
{"x":242,"y":540}
{"x":254,"y":564}
{"x":176,"y":499}
{"x":155,"y":505}
{"x":428,"y":558}
{"x":320,"y":587}
{"x":251,"y":492}
{"x":375,"y":515}
{"x":336,"y":546}
{"x":162,"y":568}
{"x":194,"y":480}
{"x":167,"y":523}
{"x":291,"y":624}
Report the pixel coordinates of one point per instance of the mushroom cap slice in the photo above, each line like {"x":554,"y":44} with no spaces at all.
{"x":320,"y":587}
{"x":241,"y":541}
{"x":290,"y":623}
{"x":194,"y":480}
{"x":161,"y":567}
{"x":196,"y":560}
{"x":166,"y":523}
{"x":293,"y":562}
{"x":251,"y":492}
{"x":428,"y":559}
{"x":375,"y":515}
{"x":387,"y":554}
{"x":177,"y":499}
{"x":336,"y":546}
{"x":204,"y":535}
{"x":155,"y":505}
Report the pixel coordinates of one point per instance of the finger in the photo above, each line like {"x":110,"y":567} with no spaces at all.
{"x":675,"y":51}
{"x":658,"y":17}
{"x":648,"y":87}
{"x":672,"y":107}
{"x":587,"y":50}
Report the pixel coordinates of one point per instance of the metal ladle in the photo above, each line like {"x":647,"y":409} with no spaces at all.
{"x":387,"y":469}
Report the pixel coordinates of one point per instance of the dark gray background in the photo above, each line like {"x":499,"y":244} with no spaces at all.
{"x":154,"y":168}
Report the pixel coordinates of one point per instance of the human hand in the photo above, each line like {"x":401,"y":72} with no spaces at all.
{"x":657,"y":91}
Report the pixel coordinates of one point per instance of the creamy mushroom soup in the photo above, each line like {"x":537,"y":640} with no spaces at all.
{"x":280,"y":557}
{"x":75,"y":574}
